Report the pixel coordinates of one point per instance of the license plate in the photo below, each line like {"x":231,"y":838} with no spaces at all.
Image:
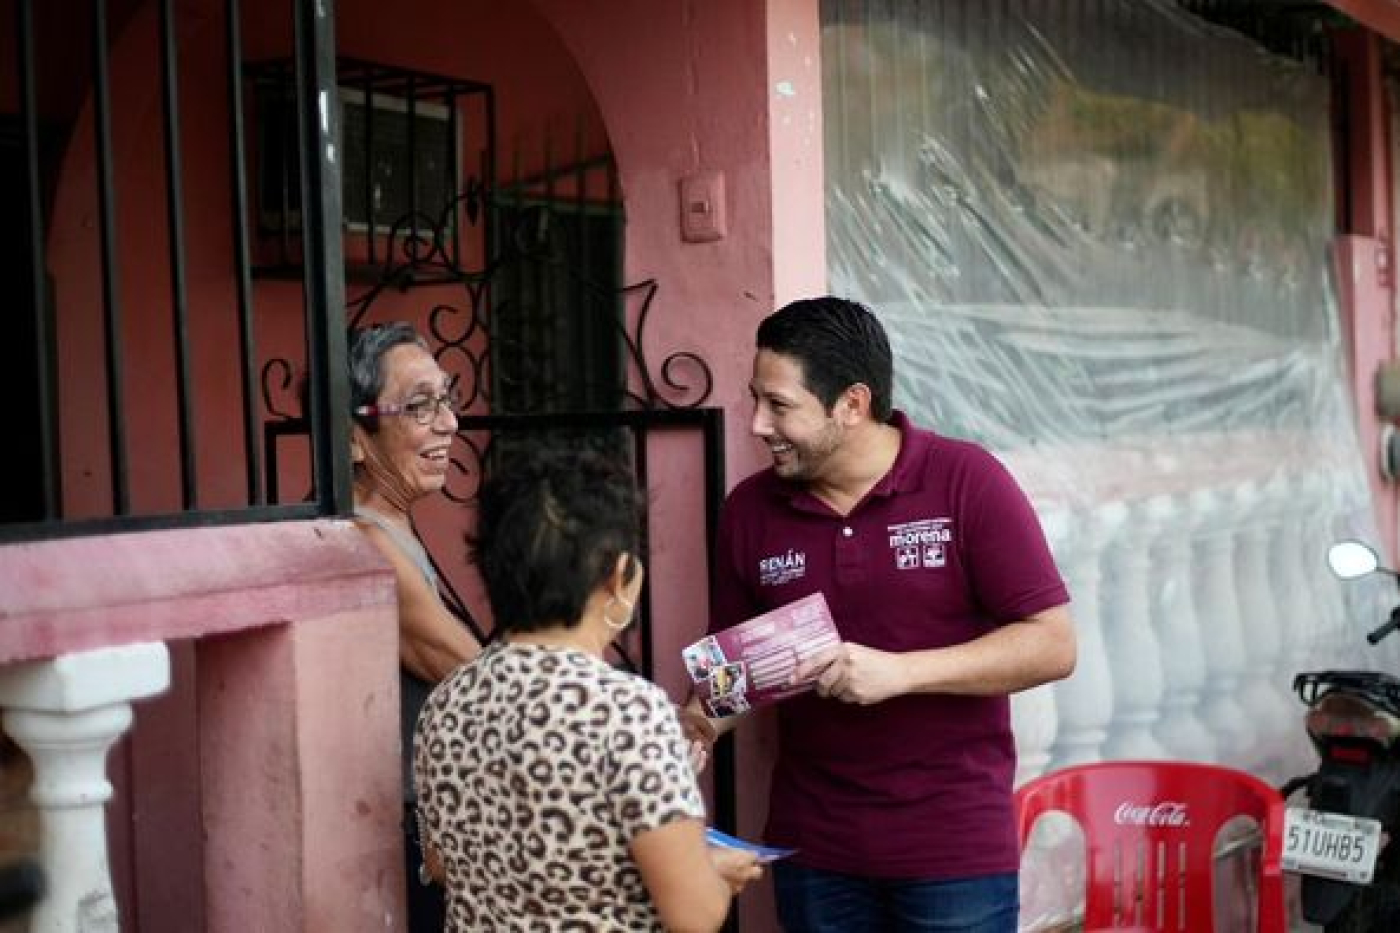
{"x":1332,"y":845}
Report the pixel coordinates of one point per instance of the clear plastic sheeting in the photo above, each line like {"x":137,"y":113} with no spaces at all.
{"x":1084,"y":220}
{"x":1100,"y":234}
{"x":1022,"y":376}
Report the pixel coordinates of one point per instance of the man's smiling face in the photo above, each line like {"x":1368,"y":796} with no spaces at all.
{"x":800,"y":432}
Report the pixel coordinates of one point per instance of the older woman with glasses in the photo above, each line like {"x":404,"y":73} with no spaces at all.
{"x":555,"y":791}
{"x":404,"y":421}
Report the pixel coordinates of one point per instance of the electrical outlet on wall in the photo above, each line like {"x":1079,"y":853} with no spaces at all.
{"x":702,"y":207}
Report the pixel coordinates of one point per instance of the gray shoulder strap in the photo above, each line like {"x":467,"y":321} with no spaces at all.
{"x":411,"y":547}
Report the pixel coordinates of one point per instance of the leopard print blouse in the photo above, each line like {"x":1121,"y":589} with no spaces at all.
{"x":535,"y":769}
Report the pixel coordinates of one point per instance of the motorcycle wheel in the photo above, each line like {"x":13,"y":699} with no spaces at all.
{"x":1376,"y":907}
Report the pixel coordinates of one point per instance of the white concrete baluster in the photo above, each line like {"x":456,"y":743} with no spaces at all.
{"x":1282,"y":570}
{"x":1033,"y":726}
{"x":1218,"y":615}
{"x":1354,"y":521}
{"x":66,"y":712}
{"x":1298,"y":570}
{"x":1264,"y":698}
{"x":1368,"y":601}
{"x":1033,"y":713}
{"x":1336,"y":643}
{"x":1180,"y":729}
{"x":1133,"y":651}
{"x":1297,"y":564}
{"x":1292,"y":617}
{"x":1084,"y":700}
{"x":1345,"y":640}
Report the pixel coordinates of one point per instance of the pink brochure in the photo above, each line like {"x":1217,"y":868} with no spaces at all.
{"x":752,"y":663}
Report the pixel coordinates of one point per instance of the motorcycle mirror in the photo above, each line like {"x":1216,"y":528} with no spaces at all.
{"x":1352,"y":559}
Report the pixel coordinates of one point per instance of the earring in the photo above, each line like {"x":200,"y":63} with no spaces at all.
{"x":627,"y":606}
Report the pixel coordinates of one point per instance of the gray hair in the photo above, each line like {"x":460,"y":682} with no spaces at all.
{"x":367,"y":348}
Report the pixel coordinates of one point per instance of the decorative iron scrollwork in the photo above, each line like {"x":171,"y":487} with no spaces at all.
{"x":421,"y":250}
{"x":672,"y":366}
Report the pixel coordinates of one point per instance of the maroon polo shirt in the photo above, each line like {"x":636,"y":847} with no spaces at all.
{"x":945,"y":548}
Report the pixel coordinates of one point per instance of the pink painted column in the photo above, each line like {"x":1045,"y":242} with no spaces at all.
{"x":295,"y":739}
{"x":301,"y":835}
{"x":1365,"y":252}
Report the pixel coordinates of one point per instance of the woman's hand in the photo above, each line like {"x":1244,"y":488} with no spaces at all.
{"x":691,"y":882}
{"x":700,"y":732}
{"x":736,"y":866}
{"x":699,"y":757}
{"x":432,"y":863}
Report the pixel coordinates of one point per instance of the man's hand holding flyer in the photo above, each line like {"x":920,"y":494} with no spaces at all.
{"x":753,"y":663}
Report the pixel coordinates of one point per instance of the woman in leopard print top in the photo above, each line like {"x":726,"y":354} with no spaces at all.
{"x":554,"y":790}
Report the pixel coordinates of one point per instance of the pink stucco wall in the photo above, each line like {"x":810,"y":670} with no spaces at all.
{"x":1366,"y":299}
{"x":262,"y":793}
{"x":731,"y":87}
{"x":1365,"y":251}
{"x":670,"y":88}
{"x":539,"y":94}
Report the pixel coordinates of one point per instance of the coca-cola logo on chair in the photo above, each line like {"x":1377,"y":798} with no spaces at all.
{"x":1165,"y":813}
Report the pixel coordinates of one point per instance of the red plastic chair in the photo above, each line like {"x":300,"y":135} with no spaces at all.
{"x":1150,"y":828}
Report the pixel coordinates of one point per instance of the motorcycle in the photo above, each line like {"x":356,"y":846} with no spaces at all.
{"x":1338,"y":843}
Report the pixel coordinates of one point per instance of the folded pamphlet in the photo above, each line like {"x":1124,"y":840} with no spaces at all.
{"x":725,"y":841}
{"x":753,"y":662}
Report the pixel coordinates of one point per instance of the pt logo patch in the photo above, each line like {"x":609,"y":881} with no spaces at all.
{"x":921,"y":544}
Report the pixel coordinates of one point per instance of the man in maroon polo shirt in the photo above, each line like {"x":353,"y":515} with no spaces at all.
{"x":893,"y":778}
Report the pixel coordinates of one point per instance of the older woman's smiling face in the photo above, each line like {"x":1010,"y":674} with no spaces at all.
{"x":415,"y":453}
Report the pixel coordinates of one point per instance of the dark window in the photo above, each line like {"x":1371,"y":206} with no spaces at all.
{"x":425,"y":157}
{"x":557,"y":320}
{"x":408,"y":170}
{"x":22,"y":499}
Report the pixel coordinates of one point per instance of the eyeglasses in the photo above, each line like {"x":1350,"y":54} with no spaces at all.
{"x":422,"y":409}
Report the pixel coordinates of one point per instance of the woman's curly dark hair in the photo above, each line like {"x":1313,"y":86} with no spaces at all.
{"x":550,"y":530}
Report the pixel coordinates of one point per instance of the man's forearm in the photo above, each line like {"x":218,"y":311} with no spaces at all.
{"x":1012,"y":658}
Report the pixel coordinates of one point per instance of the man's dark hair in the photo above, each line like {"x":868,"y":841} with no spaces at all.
{"x":366,"y":348}
{"x":838,"y":342}
{"x":550,"y":530}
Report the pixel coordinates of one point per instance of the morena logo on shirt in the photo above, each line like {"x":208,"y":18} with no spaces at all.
{"x":922,"y":543}
{"x":782,"y":568}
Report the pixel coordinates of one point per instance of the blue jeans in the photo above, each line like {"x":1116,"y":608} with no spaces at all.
{"x":815,"y":901}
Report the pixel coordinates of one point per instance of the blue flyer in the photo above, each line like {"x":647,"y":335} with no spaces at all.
{"x":765,"y":853}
